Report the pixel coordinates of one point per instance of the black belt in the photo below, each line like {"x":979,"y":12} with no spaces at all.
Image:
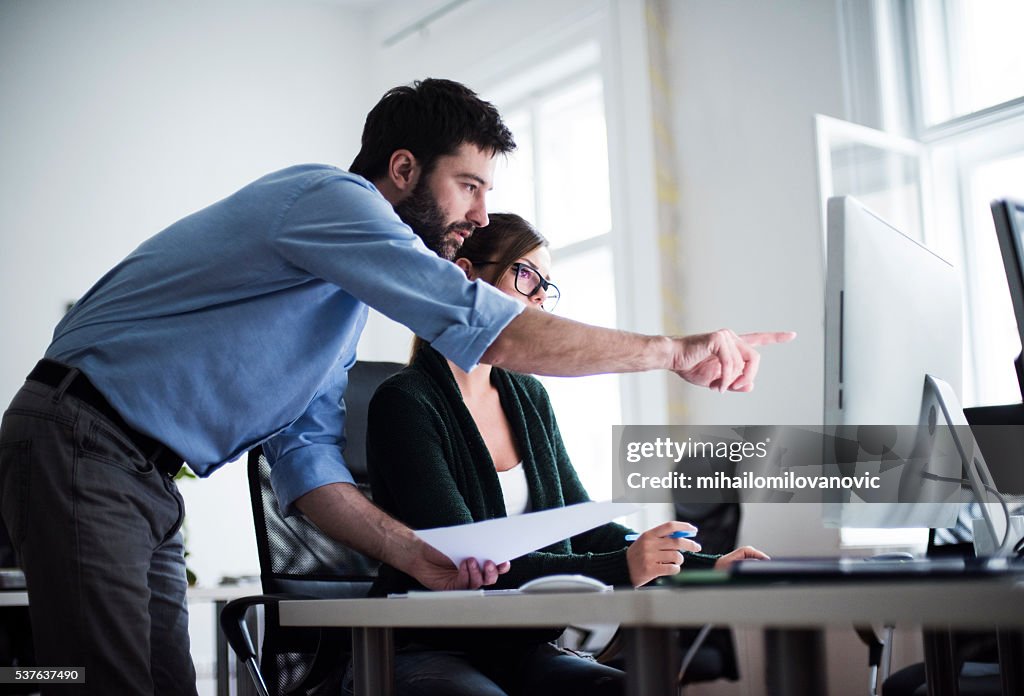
{"x":53,"y":373}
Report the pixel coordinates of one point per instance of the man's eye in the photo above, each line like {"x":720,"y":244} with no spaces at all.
{"x":471,"y":188}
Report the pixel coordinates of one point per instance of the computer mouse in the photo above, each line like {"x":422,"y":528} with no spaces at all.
{"x":564,"y":583}
{"x":893,"y":556}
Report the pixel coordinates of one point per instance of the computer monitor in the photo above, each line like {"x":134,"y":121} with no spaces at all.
{"x":1009,"y":219}
{"x":892,"y":316}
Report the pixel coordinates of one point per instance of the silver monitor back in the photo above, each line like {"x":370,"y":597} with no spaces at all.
{"x":892,"y":315}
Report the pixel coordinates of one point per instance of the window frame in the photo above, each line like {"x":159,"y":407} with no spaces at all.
{"x":620,"y":31}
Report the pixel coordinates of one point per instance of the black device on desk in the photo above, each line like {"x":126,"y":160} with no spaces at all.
{"x":1008,"y":216}
{"x":824,"y":569}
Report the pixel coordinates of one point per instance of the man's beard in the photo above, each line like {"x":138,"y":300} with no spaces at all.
{"x":421,"y":211}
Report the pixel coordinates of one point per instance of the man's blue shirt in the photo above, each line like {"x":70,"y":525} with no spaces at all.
{"x":239,"y":322}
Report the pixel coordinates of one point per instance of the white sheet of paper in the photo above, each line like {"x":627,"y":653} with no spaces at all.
{"x":505,"y":538}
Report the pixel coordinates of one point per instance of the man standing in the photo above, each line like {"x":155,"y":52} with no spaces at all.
{"x":236,"y":326}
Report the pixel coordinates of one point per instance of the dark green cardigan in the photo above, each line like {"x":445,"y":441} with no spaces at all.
{"x":429,"y":467}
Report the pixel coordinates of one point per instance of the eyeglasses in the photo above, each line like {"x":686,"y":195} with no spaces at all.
{"x":529,"y":282}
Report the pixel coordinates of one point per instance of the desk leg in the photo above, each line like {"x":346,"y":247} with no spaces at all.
{"x":650,"y":661}
{"x":373,"y":661}
{"x":223,"y":680}
{"x":794,"y":662}
{"x":939,"y":663}
{"x":1011,"y":661}
{"x":244,"y":684}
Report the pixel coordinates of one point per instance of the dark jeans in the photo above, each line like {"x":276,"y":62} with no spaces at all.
{"x":539,"y":670}
{"x":96,"y":530}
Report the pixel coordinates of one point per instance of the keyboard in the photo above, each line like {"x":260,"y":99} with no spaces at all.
{"x":867,"y":568}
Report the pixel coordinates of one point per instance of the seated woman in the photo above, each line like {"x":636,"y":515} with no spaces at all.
{"x":447,"y":447}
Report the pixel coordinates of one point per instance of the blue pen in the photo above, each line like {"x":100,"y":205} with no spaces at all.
{"x":673,"y":535}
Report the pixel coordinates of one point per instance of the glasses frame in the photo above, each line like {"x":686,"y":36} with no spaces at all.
{"x":544,"y":283}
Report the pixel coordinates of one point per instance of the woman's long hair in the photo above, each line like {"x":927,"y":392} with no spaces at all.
{"x":505,"y":240}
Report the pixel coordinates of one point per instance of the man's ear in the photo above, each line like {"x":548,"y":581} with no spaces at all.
{"x":403,"y":171}
{"x":467,"y":266}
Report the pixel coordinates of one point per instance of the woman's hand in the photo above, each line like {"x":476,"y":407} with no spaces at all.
{"x":740,"y":554}
{"x":654,"y":554}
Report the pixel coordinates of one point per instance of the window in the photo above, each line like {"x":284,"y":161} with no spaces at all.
{"x":967,"y":65}
{"x":558,"y":180}
{"x":993,"y":324}
{"x":949,"y":75}
{"x":883,"y":171}
{"x":961,"y":103}
{"x":968,"y":55}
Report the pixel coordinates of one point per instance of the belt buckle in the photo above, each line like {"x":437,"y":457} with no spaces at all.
{"x":164,"y":461}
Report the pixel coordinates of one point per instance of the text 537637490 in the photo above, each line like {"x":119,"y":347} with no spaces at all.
{"x":42,"y":675}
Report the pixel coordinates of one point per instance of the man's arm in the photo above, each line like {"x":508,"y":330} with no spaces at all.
{"x":539,"y":343}
{"x":345,"y":514}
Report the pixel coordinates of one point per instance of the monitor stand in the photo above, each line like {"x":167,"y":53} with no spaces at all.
{"x":940,"y":406}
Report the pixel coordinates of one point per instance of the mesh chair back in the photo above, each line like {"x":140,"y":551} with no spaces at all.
{"x":296,"y":558}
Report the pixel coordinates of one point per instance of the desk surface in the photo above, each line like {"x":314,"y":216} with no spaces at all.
{"x":981,"y":603}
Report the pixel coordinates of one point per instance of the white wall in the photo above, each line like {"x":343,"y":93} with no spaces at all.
{"x":747,"y":79}
{"x":119,"y":117}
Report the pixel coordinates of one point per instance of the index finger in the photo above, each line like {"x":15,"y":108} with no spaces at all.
{"x":762,"y":338}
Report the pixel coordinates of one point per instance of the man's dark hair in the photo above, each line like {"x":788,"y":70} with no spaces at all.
{"x":431,"y":118}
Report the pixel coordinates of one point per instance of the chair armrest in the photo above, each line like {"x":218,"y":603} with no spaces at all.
{"x":330,"y":644}
{"x":232,"y":622}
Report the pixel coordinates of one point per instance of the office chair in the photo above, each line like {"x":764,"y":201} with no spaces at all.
{"x":297,"y":560}
{"x":974,"y":652}
{"x":708,"y":652}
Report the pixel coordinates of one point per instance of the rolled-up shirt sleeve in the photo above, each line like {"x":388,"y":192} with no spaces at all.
{"x":309,"y":453}
{"x":343,"y":231}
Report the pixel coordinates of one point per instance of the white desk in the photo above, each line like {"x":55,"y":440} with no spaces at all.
{"x":648,"y":617}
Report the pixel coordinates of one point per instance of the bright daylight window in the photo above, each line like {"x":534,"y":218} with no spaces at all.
{"x":992,"y":379}
{"x":969,"y":55}
{"x":969,"y":76}
{"x":558,"y":180}
{"x":964,"y":107}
